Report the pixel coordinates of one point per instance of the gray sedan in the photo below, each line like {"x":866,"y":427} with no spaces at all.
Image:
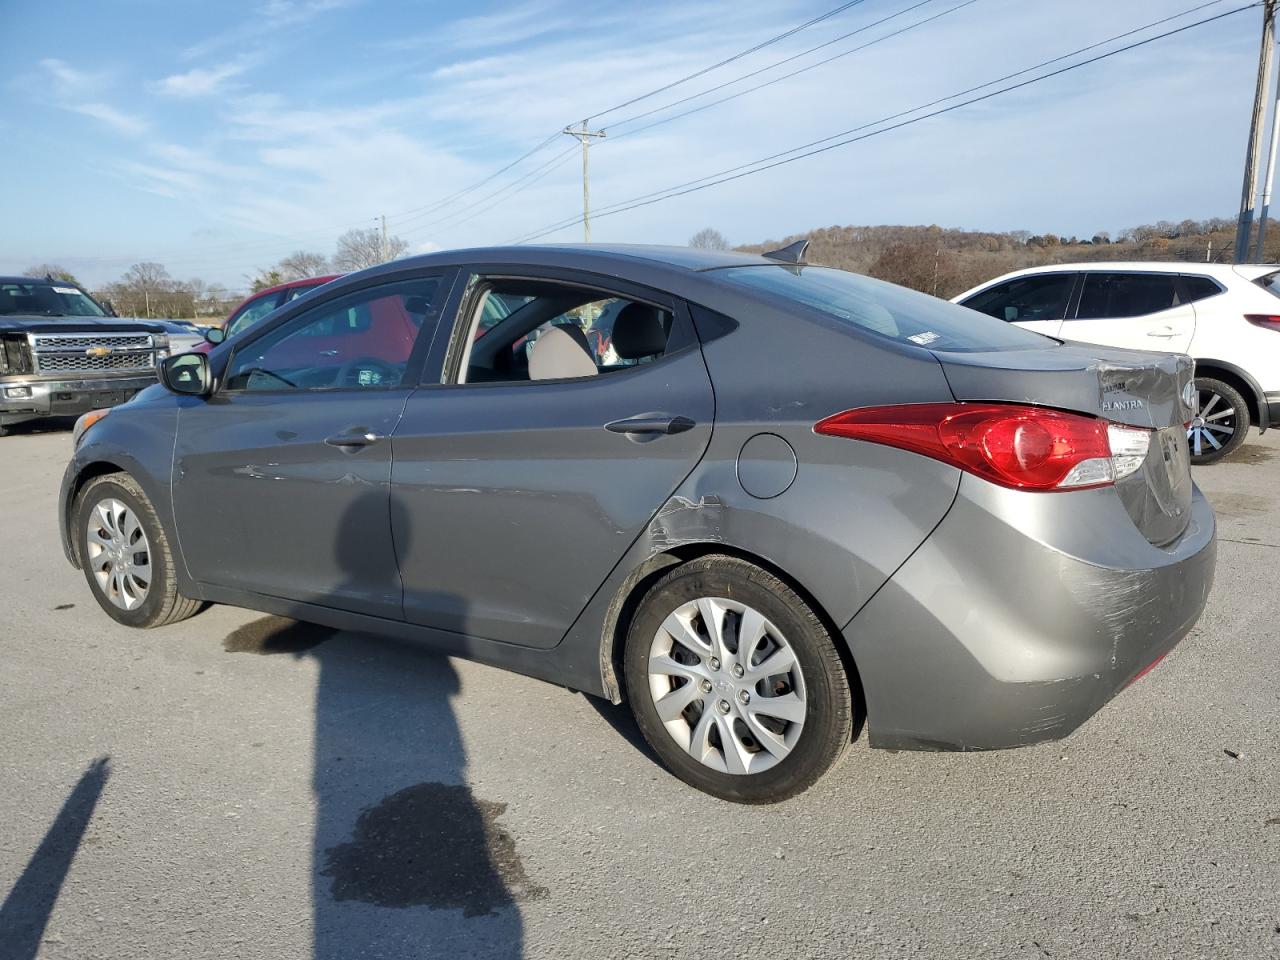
{"x":767,"y":503}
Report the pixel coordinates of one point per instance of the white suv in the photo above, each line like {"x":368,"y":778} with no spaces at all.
{"x":1223,"y":316}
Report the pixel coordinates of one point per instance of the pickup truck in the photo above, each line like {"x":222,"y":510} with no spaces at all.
{"x":63,"y":354}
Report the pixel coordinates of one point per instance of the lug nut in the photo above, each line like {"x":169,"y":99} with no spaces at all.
{"x":724,"y":706}
{"x":715,"y":663}
{"x":737,"y":670}
{"x":744,"y":697}
{"x":705,"y":685}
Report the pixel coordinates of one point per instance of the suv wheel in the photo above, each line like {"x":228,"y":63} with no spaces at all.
{"x":736,"y":683}
{"x":1221,"y":422}
{"x":125,"y":554}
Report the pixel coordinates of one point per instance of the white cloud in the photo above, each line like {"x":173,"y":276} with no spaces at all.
{"x":115,"y":119}
{"x":80,"y":91}
{"x":201,"y":82}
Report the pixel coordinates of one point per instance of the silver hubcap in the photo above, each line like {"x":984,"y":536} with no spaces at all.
{"x":119,"y":556}
{"x":1214,"y":424}
{"x":727,"y":686}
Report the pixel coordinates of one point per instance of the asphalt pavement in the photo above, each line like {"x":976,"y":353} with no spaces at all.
{"x":239,"y":786}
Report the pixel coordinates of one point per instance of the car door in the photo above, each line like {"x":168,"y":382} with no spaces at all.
{"x":1134,"y":309}
{"x":281,"y":477}
{"x":513,"y":498}
{"x":1036,"y":301}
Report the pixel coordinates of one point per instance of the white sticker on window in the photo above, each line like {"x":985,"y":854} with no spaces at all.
{"x":924,"y":338}
{"x":71,"y":290}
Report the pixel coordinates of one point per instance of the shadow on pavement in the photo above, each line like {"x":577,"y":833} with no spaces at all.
{"x":26,"y":910}
{"x":407,"y":862}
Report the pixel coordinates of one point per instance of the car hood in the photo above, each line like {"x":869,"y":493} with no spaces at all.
{"x":36,"y":323}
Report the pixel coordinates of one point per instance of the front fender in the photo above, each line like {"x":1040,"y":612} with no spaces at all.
{"x":126,"y":441}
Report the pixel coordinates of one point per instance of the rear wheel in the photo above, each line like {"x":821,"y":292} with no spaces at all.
{"x":736,"y":683}
{"x":1221,"y":421}
{"x":125,"y":554}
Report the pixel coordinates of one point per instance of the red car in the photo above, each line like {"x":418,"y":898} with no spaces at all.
{"x":256,"y":306}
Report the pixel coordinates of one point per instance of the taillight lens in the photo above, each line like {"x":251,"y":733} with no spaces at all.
{"x":1267,"y":321}
{"x":1027,"y":448}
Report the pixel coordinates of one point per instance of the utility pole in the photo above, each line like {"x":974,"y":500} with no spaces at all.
{"x":1259,"y":254}
{"x":585,"y":135}
{"x":1249,"y":191}
{"x":385,"y":247}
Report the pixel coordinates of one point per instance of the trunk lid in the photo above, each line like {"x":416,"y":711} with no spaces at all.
{"x":1140,"y":389}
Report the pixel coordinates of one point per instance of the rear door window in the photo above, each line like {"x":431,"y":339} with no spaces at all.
{"x":1198,"y":288}
{"x":1041,"y":296}
{"x":880,"y":308}
{"x":1107,"y":296}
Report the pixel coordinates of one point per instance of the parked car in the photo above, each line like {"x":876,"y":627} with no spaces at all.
{"x":62,"y":353}
{"x":798,"y":497}
{"x":256,"y":306}
{"x":1222,"y":315}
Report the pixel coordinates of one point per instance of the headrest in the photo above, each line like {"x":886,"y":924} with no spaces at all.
{"x":639,"y":331}
{"x":557,"y":354}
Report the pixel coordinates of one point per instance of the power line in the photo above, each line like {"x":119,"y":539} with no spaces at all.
{"x":768,"y":163}
{"x":529,"y":180}
{"x":794,"y":73}
{"x":449,"y":220}
{"x":737,"y":56}
{"x":767,"y":68}
{"x":931,"y":103}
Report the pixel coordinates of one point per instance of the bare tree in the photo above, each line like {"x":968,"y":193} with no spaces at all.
{"x":709,"y":239}
{"x":358,"y":249}
{"x":146,"y":281}
{"x":54,"y":270}
{"x":302,"y":264}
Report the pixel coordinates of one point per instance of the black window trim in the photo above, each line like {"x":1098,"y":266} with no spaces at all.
{"x":1073,"y":298}
{"x":417,"y":355}
{"x":1177,"y":291}
{"x":468,"y":297}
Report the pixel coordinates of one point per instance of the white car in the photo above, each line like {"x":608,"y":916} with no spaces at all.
{"x":1223,"y":316}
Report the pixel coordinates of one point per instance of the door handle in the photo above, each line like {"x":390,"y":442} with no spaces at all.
{"x":654,"y":423}
{"x":353,"y":440}
{"x":1165,"y":332}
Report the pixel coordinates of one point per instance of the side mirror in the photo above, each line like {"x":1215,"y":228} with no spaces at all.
{"x":215,"y":335}
{"x":110,"y":307}
{"x":1011,"y":314}
{"x":187,"y":374}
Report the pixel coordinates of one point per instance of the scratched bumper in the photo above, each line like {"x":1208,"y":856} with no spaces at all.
{"x":1021,"y":616}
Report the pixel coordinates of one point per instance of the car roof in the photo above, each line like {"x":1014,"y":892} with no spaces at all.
{"x":1220,"y":271}
{"x":587,"y":254}
{"x":1142,"y":266}
{"x":291,"y":284}
{"x":61,"y":283}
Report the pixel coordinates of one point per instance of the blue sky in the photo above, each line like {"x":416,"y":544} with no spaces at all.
{"x":217,"y":137}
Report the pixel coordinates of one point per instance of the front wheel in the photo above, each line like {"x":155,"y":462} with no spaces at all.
{"x":1221,"y":422}
{"x":736,"y":683}
{"x":125,"y":554}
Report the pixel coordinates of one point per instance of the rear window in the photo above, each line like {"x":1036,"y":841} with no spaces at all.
{"x":885,"y":309}
{"x":1271,"y":282}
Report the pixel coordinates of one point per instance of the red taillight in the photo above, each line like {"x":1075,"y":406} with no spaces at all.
{"x":1267,"y":321}
{"x":1028,"y":448}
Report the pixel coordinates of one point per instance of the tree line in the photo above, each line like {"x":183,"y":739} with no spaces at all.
{"x":946,"y":261}
{"x":147,"y":289}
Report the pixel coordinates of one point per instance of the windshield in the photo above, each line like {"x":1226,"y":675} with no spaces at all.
{"x":885,"y":309}
{"x":46,"y":300}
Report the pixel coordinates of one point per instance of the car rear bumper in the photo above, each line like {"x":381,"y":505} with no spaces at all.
{"x":1272,"y":400}
{"x":34,"y":398}
{"x":1021,"y":616}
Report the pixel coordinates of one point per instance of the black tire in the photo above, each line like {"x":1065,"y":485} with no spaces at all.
{"x":829,"y":701}
{"x":1238,"y":421}
{"x":162,"y":604}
